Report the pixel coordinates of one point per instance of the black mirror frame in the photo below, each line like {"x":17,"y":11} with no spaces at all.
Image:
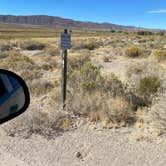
{"x":26,"y":92}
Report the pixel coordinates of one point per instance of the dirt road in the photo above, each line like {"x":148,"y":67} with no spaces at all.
{"x":84,"y":146}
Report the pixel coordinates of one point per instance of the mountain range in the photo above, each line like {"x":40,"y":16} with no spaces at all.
{"x":58,"y":22}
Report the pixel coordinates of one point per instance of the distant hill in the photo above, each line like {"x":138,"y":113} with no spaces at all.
{"x":57,"y":22}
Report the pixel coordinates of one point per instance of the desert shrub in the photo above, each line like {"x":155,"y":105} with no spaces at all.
{"x":32,"y":45}
{"x":145,"y":33}
{"x":99,"y":98}
{"x":17,"y":62}
{"x":53,"y":51}
{"x":77,"y":45}
{"x":90,"y":75}
{"x":161,"y":33}
{"x":160,"y":55}
{"x":78,"y":59}
{"x":3,"y":55}
{"x":133,"y":52}
{"x":145,"y":52}
{"x":112,"y":86}
{"x":43,"y":118}
{"x":91,"y":45}
{"x":29,"y":75}
{"x":134,"y":99}
{"x":46,"y":66}
{"x":83,"y":75}
{"x":142,"y":94}
{"x":50,"y":63}
{"x":120,"y":111}
{"x":137,"y":71}
{"x":149,"y":85}
{"x":101,"y":108}
{"x":142,"y":117}
{"x":86,"y":77}
{"x":157,"y":115}
{"x":142,"y":40}
{"x":6,"y":46}
{"x":106,"y":59}
{"x":143,"y":81}
{"x":40,"y":86}
{"x":112,"y":31}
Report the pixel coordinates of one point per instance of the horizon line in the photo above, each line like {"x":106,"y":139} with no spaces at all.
{"x":88,"y":21}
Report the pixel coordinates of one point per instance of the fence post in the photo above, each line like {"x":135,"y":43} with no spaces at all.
{"x":64,"y":74}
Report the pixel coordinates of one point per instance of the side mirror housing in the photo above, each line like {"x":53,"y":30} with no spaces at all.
{"x":14,"y":95}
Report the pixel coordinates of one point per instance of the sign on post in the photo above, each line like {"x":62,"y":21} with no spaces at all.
{"x":65,"y":45}
{"x":65,"y":41}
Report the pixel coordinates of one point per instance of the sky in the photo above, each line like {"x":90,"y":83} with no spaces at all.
{"x":140,"y":13}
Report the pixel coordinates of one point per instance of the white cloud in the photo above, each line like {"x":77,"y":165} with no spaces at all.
{"x":157,"y":11}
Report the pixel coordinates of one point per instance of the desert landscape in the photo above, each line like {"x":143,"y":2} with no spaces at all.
{"x":116,"y":94}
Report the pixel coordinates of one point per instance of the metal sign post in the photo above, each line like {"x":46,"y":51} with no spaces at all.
{"x":65,"y":45}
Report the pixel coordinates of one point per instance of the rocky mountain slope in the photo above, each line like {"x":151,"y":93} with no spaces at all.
{"x":58,"y":22}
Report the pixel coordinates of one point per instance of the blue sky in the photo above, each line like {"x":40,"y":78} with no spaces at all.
{"x":144,"y":13}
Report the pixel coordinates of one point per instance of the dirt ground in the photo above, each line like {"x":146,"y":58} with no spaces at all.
{"x":85,"y":146}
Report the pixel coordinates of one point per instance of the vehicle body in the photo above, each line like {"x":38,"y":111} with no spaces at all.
{"x":14,"y":95}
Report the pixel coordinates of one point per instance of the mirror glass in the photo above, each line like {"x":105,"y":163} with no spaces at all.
{"x":12,"y":96}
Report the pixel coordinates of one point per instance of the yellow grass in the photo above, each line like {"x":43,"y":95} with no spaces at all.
{"x":110,"y":102}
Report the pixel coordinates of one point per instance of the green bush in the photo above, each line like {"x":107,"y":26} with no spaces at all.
{"x":33,"y":45}
{"x":161,"y":33}
{"x":90,"y":74}
{"x":85,"y":78}
{"x":133,"y":52}
{"x":112,"y":31}
{"x":160,"y":55}
{"x":145,"y":33}
{"x":149,"y":85}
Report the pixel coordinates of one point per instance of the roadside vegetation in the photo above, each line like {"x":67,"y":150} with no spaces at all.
{"x":93,"y":96}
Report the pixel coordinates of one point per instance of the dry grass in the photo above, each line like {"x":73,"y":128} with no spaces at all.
{"x":40,"y":86}
{"x":77,"y":59}
{"x":43,"y":117}
{"x":5,"y":46}
{"x":32,"y":45}
{"x":157,"y":115}
{"x":106,"y":59}
{"x":160,"y":55}
{"x":133,"y":52}
{"x":16,"y":62}
{"x":145,"y":79}
{"x":99,"y":99}
{"x":101,"y":108}
{"x":153,"y":117}
{"x":141,"y":69}
{"x":52,"y":50}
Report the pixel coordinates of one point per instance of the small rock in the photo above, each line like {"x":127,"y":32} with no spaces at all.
{"x":79,"y":155}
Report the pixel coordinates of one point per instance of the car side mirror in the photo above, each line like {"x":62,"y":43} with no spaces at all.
{"x":14,"y":96}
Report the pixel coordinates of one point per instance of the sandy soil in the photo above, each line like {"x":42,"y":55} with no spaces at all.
{"x":31,"y":52}
{"x":117,"y":64}
{"x":84,"y":146}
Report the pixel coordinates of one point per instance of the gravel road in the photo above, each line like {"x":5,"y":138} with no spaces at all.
{"x":82,"y":147}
